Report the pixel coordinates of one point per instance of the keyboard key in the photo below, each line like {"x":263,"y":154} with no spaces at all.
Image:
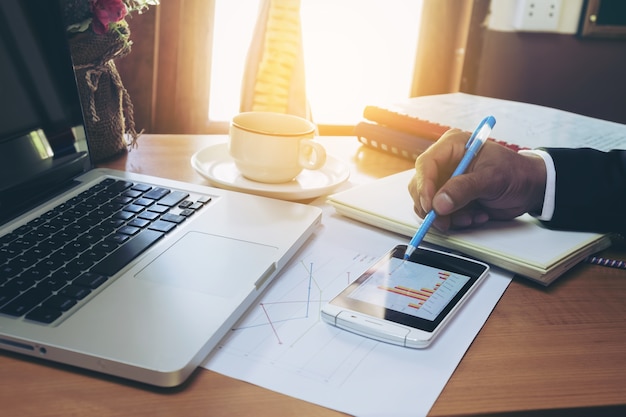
{"x":22,"y":244}
{"x":74,"y":291}
{"x":9,"y":252}
{"x":158,"y":208}
{"x":149,"y":215}
{"x":44,"y":315}
{"x":90,"y":280}
{"x":140,"y":223}
{"x":7,"y":294}
{"x":79,"y":264}
{"x":52,"y":263}
{"x":77,"y":246}
{"x":119,"y":258}
{"x":25,"y":302}
{"x":156,"y":193}
{"x":106,"y":246}
{"x":59,"y":303}
{"x":174,"y":218}
{"x":94,"y":254}
{"x":9,"y":237}
{"x":119,"y":186}
{"x":185,"y":204}
{"x":162,"y":226}
{"x":113,"y":223}
{"x":134,"y":208}
{"x":21,"y":283}
{"x":118,"y":238}
{"x":187,"y":212}
{"x":123,"y":215}
{"x":144,"y":202}
{"x":142,"y":187}
{"x":173,"y":198}
{"x":132,"y":193}
{"x":10,"y":269}
{"x":38,"y":273}
{"x":53,"y":283}
{"x":128,"y":230}
{"x":21,"y":261}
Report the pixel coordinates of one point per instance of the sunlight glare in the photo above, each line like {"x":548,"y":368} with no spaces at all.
{"x":357,"y":52}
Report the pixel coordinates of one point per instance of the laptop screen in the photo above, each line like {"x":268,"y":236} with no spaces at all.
{"x":42,"y":139}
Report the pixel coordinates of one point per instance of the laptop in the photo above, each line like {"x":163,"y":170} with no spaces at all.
{"x":155,"y":272}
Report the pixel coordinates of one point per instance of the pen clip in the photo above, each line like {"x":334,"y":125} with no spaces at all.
{"x":489,"y":120}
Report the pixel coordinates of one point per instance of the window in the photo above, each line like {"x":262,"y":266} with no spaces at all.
{"x":356,"y":52}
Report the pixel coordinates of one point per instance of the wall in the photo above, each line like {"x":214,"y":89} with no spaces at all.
{"x":558,"y":69}
{"x":165,"y":74}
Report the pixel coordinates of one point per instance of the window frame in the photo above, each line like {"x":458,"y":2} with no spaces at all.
{"x":169,"y":80}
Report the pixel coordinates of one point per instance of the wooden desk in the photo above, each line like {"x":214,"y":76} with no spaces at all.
{"x":560,"y":348}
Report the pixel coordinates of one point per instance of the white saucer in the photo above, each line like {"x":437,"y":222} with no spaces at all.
{"x":215,"y":164}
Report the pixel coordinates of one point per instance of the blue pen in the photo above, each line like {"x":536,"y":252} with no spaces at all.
{"x":473,"y":145}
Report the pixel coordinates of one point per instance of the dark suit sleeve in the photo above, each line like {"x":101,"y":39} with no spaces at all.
{"x":590,"y":190}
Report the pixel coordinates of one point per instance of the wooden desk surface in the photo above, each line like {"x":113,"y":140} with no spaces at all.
{"x":556,"y":348}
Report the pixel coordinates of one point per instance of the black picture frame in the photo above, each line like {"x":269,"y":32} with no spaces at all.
{"x":603,"y":19}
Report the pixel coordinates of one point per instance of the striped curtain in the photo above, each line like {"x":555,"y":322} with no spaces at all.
{"x":274,"y":74}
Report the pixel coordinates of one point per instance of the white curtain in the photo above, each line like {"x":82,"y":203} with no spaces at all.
{"x":274,"y":74}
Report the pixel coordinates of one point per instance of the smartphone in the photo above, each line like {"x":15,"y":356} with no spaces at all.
{"x":409,"y":302}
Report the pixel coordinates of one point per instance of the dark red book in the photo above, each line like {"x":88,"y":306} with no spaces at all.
{"x":400,"y":128}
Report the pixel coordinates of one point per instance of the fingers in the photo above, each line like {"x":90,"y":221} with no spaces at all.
{"x":468,"y":199}
{"x":499,"y":183}
{"x":457,"y":193}
{"x":434,"y":167}
{"x":466,"y":216}
{"x":422,"y":192}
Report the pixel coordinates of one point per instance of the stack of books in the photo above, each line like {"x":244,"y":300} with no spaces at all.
{"x":402,"y":130}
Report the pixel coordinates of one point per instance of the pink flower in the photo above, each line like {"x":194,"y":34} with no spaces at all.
{"x":106,"y":12}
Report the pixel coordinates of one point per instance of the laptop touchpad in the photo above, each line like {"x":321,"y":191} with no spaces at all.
{"x":212,"y":264}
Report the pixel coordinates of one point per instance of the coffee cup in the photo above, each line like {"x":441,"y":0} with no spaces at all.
{"x":274,"y":147}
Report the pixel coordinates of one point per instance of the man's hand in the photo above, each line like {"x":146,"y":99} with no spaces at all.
{"x":499,"y":184}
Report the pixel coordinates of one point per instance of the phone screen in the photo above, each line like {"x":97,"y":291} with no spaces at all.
{"x":407,"y":287}
{"x":419,"y":293}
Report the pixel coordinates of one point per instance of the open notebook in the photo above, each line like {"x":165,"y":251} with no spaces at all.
{"x":522,"y":245}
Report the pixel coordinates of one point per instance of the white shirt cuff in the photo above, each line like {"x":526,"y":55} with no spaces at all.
{"x":549,"y":196}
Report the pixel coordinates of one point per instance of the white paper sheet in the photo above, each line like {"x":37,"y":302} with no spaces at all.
{"x":283,"y":345}
{"x":522,"y":124}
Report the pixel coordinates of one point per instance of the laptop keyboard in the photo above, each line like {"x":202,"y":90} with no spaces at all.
{"x":50,"y":264}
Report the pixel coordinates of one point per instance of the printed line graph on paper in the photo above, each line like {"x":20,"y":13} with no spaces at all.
{"x":285,"y":330}
{"x":307,"y":301}
{"x":309,"y":304}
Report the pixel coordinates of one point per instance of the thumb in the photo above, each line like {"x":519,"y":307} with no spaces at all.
{"x":455,"y":194}
{"x":443,"y":204}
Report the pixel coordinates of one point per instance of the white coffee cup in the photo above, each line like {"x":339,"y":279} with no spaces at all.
{"x":274,"y":147}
